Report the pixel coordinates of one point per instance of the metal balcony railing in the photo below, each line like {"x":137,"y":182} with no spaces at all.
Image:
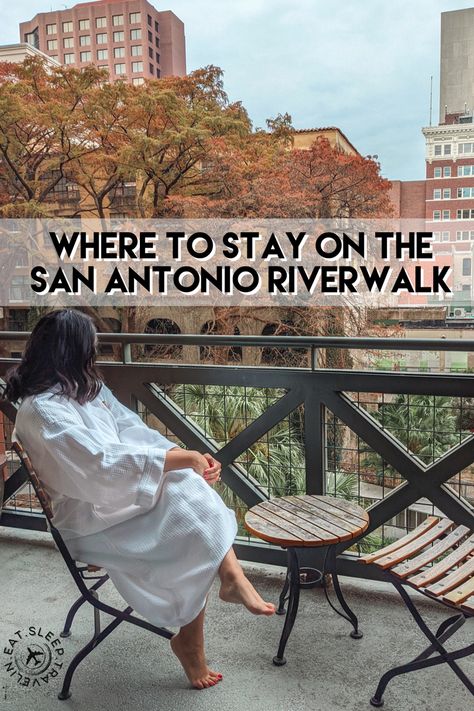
{"x":398,"y":443}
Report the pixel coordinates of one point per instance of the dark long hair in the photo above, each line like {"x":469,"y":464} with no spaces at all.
{"x":61,"y":350}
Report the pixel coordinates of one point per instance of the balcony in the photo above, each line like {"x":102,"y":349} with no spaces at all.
{"x":397,"y":443}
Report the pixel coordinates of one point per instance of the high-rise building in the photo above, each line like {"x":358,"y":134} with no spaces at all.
{"x":131,"y":39}
{"x":456,"y":95}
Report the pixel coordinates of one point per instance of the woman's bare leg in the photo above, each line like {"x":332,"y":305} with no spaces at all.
{"x":235,"y":587}
{"x":188,"y":645}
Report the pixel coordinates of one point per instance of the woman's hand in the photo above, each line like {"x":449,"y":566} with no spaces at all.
{"x":213,"y":473}
{"x":203,"y":464}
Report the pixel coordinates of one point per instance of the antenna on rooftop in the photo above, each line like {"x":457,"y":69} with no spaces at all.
{"x":431,"y":98}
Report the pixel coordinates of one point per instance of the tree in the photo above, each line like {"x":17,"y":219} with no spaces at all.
{"x":276,"y":461}
{"x":425,"y":424}
{"x":41,"y":132}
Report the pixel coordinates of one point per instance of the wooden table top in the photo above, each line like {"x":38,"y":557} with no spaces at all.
{"x":306,"y":520}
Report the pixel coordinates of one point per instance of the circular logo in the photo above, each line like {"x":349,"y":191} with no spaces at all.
{"x":33,"y":656}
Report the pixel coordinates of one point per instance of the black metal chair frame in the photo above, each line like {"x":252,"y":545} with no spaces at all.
{"x":435,"y":654}
{"x":89,"y":594}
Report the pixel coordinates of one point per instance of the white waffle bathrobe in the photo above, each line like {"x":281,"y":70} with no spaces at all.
{"x":160,"y":536}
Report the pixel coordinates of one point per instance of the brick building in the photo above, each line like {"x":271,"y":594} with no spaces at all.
{"x":131,"y":39}
{"x":445,"y":198}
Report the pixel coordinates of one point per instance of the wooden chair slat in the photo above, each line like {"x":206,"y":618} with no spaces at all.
{"x":454,"y":579}
{"x":321,"y":529}
{"x":309,"y":509}
{"x":468,"y":605}
{"x":436,"y":571}
{"x":461,"y":593}
{"x":425,"y":526}
{"x":387,"y":561}
{"x":414,"y":564}
{"x":339,"y":507}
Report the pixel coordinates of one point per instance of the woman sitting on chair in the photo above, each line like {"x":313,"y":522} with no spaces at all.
{"x":124,"y":497}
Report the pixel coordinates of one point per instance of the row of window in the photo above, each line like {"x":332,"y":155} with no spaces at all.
{"x":445,"y":193}
{"x":101,"y":54}
{"x":461,"y":236}
{"x":445,"y":148}
{"x":446,"y":215}
{"x":134,"y":18}
{"x":445,"y":172}
{"x":463,"y":171}
{"x":100,"y":38}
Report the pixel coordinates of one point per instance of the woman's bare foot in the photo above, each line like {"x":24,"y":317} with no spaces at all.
{"x":193,"y":662}
{"x":237,"y":588}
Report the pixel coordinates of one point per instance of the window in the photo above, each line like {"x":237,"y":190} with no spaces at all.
{"x":436,"y":215}
{"x":447,"y":149}
{"x":20,"y":289}
{"x":101,"y":38}
{"x":137,"y":66}
{"x":32,"y":38}
{"x":135,"y":18}
{"x":51,"y":29}
{"x":86,"y":56}
{"x":465,"y":170}
{"x":52,"y":44}
{"x":152,"y":68}
{"x":138,"y":80}
{"x":150,"y":52}
{"x":446,"y":193}
{"x":158,"y":72}
{"x":436,"y":236}
{"x":445,"y":236}
{"x":157,"y":26}
{"x":465,"y":214}
{"x":119,"y":52}
{"x":102,"y":54}
{"x":103,"y":66}
{"x":117,"y":20}
{"x":157,"y":41}
{"x":465,"y":192}
{"x":437,"y":194}
{"x":119,"y":68}
{"x":437,"y":173}
{"x":437,"y":149}
{"x":465,"y":148}
{"x":68,"y":42}
{"x":447,"y":171}
{"x":101,"y":22}
{"x":446,"y":214}
{"x":135,"y":34}
{"x":119,"y":36}
{"x":84,"y":24}
{"x":84,"y":40}
{"x":136,"y":50}
{"x":149,"y":19}
{"x":157,"y":58}
{"x":465,"y":236}
{"x":69,"y":59}
{"x":67,"y":26}
{"x":150,"y":36}
{"x":466,"y":266}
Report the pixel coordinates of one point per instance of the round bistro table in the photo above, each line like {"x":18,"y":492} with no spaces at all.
{"x":295,"y":522}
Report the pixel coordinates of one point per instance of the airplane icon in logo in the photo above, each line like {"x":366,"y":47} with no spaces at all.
{"x":33,"y":655}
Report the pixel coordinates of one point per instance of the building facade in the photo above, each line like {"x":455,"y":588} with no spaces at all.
{"x":17,"y":53}
{"x":444,"y":200}
{"x":130,"y":39}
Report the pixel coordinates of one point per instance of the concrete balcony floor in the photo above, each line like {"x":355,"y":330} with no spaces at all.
{"x":133,"y":669}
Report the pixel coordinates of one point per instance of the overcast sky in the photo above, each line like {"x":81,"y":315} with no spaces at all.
{"x":362,"y":65}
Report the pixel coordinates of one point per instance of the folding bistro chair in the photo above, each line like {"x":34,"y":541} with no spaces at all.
{"x":437,"y":559}
{"x":81,"y":574}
